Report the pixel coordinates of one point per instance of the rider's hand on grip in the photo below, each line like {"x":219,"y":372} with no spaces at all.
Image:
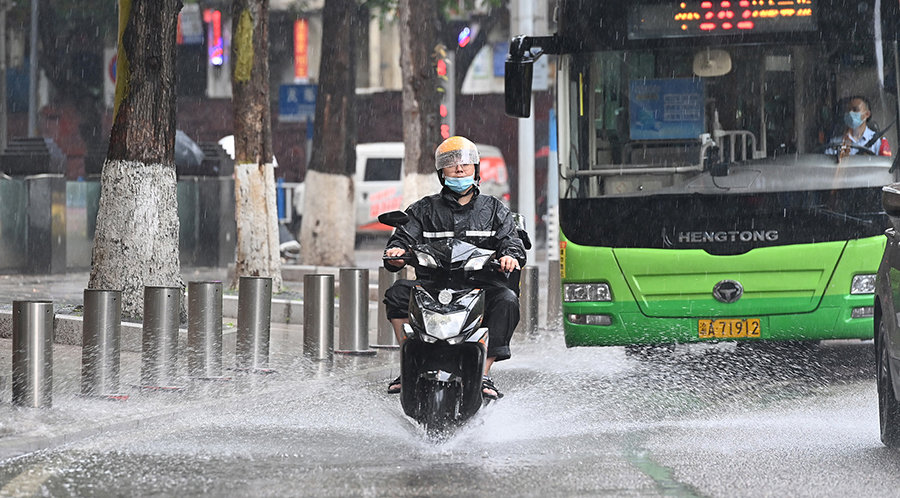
{"x":508,"y":264}
{"x":396,"y":256}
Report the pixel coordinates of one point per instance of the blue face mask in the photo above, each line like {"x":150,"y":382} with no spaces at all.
{"x":853,"y":119}
{"x":459,"y":185}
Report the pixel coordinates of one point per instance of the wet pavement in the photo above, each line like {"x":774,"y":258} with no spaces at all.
{"x":713,"y":420}
{"x":700,"y":422}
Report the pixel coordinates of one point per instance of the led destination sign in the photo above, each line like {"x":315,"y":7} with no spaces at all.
{"x":720,"y":17}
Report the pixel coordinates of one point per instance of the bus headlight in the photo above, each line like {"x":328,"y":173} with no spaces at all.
{"x":863,"y":284}
{"x":575,"y":293}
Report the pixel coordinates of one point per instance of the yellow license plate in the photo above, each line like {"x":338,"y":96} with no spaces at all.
{"x":729,"y":328}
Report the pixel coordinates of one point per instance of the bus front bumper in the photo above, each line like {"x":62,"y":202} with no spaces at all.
{"x":631,"y":327}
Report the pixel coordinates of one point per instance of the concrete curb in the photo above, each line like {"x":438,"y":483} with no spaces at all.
{"x":291,"y":310}
{"x":67,"y":329}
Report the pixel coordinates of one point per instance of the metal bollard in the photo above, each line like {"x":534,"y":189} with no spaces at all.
{"x":100,"y":344}
{"x":204,"y":338}
{"x":159,"y":349}
{"x":32,"y":354}
{"x":386,"y":337}
{"x":354,"y":315}
{"x":554,"y":295}
{"x":318,"y":316}
{"x":254,"y":323}
{"x":528,"y":298}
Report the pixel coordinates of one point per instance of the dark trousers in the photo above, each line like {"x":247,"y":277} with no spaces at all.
{"x":501,"y":313}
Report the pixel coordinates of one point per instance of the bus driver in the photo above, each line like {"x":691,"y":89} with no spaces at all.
{"x":857,"y":134}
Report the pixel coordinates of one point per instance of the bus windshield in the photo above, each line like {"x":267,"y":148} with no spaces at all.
{"x":706,"y":115}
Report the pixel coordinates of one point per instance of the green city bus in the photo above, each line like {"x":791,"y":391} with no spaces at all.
{"x":702,"y":196}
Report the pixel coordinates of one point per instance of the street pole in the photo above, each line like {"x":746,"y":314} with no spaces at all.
{"x":554,"y":298}
{"x":552,"y":190}
{"x":33,"y":72}
{"x":4,"y":6}
{"x":526,"y":201}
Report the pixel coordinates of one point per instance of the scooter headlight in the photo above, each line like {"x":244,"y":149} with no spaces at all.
{"x":477,"y":263}
{"x":426,"y":260}
{"x":443,"y":326}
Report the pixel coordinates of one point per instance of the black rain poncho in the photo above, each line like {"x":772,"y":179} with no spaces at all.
{"x":485,"y":222}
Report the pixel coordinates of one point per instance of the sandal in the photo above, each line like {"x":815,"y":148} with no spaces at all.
{"x":394,"y":386}
{"x":488,"y":385}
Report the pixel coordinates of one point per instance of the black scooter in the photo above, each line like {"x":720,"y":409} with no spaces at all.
{"x":444,"y":347}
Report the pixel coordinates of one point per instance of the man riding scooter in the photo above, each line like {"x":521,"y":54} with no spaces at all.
{"x":460,"y":211}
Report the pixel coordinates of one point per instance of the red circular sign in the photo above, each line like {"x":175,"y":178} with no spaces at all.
{"x":112,"y":67}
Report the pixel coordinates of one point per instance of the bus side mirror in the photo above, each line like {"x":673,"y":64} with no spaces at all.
{"x":523,"y":51}
{"x":517,"y":88}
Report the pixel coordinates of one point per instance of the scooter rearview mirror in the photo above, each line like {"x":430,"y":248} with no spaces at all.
{"x":393,"y":218}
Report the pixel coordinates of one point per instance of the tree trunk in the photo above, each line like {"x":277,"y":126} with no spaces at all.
{"x":419,"y":53}
{"x":258,"y":251}
{"x":136,"y":242}
{"x":328,"y":231}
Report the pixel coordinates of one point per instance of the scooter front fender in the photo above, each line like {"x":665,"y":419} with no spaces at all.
{"x":421,"y":361}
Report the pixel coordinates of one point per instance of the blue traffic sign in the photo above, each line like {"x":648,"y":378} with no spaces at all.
{"x":296,"y":103}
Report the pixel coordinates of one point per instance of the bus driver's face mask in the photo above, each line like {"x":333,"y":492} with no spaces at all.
{"x":853,"y":119}
{"x":459,"y":185}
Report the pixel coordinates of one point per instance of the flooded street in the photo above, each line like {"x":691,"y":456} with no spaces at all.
{"x":700,"y":421}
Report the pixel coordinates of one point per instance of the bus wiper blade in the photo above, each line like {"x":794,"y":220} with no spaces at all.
{"x":843,"y":216}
